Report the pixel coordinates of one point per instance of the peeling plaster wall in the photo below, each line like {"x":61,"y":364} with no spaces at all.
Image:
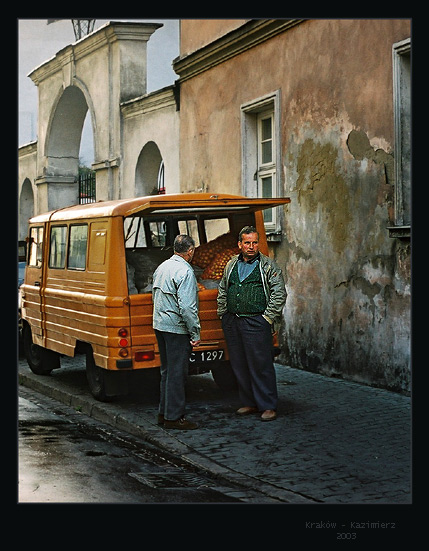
{"x":348,"y":308}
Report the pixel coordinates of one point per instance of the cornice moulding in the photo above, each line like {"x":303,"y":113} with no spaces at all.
{"x":107,"y":34}
{"x":233,"y":43}
{"x":149,"y":102}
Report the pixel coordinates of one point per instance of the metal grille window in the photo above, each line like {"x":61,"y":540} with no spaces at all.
{"x":87,"y":187}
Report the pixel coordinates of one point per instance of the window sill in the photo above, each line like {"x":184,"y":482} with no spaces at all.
{"x":399,"y":231}
{"x":274,"y":236}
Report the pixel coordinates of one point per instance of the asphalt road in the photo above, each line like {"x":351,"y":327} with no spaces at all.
{"x":66,"y":457}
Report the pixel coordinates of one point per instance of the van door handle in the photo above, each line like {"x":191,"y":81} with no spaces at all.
{"x":37,"y":283}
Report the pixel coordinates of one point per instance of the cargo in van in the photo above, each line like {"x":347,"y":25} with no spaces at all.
{"x":88,"y":282}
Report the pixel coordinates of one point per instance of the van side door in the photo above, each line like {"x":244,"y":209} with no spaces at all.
{"x":33,"y":283}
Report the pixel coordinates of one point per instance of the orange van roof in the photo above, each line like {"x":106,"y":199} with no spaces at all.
{"x":162,"y":204}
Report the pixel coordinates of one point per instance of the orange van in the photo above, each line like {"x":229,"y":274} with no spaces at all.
{"x":88,"y":277}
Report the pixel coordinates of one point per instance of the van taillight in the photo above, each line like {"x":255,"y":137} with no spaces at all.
{"x":122,"y":332}
{"x":144,"y":356}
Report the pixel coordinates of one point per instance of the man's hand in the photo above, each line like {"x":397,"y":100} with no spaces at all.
{"x":195,"y":343}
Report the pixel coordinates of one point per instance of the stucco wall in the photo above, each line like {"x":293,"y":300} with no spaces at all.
{"x":348,"y":309}
{"x":196,"y":33}
{"x":153,"y":118}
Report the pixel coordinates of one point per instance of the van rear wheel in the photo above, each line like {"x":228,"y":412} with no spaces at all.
{"x":95,"y":378}
{"x":40,"y":360}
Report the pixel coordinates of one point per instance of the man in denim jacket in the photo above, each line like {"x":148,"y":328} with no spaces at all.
{"x":177,"y":329}
{"x":251,"y":298}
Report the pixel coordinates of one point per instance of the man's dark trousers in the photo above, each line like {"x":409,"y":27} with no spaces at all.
{"x":175,"y":350}
{"x":250,"y":343}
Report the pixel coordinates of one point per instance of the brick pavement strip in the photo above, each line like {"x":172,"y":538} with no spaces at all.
{"x":333,"y":441}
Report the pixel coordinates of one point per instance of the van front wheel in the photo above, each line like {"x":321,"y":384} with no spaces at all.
{"x":95,"y":378}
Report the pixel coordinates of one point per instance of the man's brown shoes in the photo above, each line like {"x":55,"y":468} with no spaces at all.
{"x":180,"y":424}
{"x":184,"y":424}
{"x":246,"y":410}
{"x":269,"y":415}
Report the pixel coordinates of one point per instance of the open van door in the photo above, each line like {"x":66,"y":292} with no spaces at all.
{"x":217,"y":204}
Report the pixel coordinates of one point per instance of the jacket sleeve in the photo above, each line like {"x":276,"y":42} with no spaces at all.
{"x":222,"y":291}
{"x":277,"y":294}
{"x":187,"y":299}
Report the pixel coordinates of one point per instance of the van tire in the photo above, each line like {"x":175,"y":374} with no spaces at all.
{"x":40,"y":360}
{"x":224,"y":377}
{"x":95,"y":378}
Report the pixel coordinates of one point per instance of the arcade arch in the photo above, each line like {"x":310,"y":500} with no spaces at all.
{"x":26,"y":208}
{"x":102,"y":77}
{"x":65,"y":132}
{"x":149,"y":177}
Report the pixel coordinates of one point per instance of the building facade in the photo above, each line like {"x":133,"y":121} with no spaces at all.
{"x":135,"y":134}
{"x":317,"y":110}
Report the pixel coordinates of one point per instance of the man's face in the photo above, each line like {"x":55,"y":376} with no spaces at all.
{"x":249,"y":245}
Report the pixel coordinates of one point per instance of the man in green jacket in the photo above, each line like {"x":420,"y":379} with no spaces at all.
{"x":251,"y":298}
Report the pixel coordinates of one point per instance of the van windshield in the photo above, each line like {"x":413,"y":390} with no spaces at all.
{"x":149,"y":241}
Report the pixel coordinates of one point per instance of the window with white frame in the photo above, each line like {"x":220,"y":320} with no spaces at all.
{"x":266,"y":170}
{"x":402,"y":118}
{"x":260,"y":153}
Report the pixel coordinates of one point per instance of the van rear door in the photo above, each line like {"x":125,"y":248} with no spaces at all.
{"x":204,"y":204}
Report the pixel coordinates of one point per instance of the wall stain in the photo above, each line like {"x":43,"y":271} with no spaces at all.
{"x":321,"y":185}
{"x":360,"y":147}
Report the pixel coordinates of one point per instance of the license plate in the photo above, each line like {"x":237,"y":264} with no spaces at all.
{"x":204,"y":356}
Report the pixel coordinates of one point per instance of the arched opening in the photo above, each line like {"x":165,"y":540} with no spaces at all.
{"x":70,"y":150}
{"x":26,"y":208}
{"x":149,"y":171}
{"x":63,"y":143}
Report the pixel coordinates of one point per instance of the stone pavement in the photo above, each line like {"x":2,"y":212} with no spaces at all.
{"x":334,"y":442}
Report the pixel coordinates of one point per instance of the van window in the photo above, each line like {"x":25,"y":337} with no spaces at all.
{"x":77,"y":247}
{"x":57,"y":255}
{"x":190,"y":227}
{"x":134,"y":232}
{"x":158,"y":233}
{"x":215,"y":228}
{"x":35,"y":255}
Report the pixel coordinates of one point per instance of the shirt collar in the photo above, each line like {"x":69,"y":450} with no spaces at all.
{"x":240,"y":257}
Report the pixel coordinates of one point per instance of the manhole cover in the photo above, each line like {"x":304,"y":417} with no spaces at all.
{"x":178,"y":479}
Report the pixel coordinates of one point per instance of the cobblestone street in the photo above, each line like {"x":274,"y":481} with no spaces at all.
{"x":333,"y":442}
